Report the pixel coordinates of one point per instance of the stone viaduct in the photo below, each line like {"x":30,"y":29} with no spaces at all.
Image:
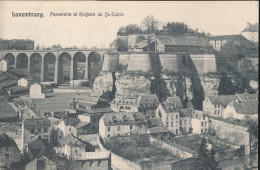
{"x":25,"y":57}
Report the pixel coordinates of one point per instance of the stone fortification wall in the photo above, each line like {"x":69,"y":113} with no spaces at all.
{"x":111,"y":61}
{"x":171,"y":62}
{"x":236,"y":134}
{"x":124,"y":59}
{"x":140,"y":62}
{"x":204,"y":63}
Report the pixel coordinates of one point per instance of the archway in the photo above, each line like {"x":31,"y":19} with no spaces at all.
{"x":10,"y":58}
{"x":79,"y":66}
{"x":48,"y":67}
{"x":22,"y":61}
{"x":35,"y":65}
{"x":94,"y":65}
{"x":64,"y":68}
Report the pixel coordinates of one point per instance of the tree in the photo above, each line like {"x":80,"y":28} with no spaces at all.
{"x":225,"y":86}
{"x":204,"y":158}
{"x":150,"y":23}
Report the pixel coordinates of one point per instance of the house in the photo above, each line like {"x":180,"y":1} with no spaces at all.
{"x":4,"y":66}
{"x":92,"y":117}
{"x":83,"y":154}
{"x":199,"y":122}
{"x":215,"y":105}
{"x":36,"y":148}
{"x":25,"y":82}
{"x":155,"y":128}
{"x":124,"y":105}
{"x":147,"y":104}
{"x":37,"y":91}
{"x":121,"y":123}
{"x":170,"y":116}
{"x":34,"y":128}
{"x":9,"y":151}
{"x":251,"y":32}
{"x":241,"y":110}
{"x":67,"y":126}
{"x":42,"y":162}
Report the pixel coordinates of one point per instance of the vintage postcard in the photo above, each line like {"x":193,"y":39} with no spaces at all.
{"x":129,"y":85}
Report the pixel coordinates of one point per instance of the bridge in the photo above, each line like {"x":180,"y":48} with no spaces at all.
{"x":23,"y":59}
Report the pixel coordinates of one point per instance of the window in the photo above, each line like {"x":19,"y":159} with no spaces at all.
{"x":32,"y":131}
{"x":45,"y":130}
{"x":172,"y":124}
{"x":90,"y":163}
{"x":99,"y":162}
{"x":218,"y":112}
{"x":131,"y":127}
{"x":180,"y":122}
{"x":118,"y":128}
{"x":171,"y":116}
{"x":108,"y":129}
{"x":76,"y":151}
{"x":215,"y":112}
{"x":39,"y":130}
{"x":176,"y":131}
{"x":205,"y":124}
{"x":176,"y":116}
{"x":201,"y":130}
{"x":6,"y":149}
{"x":70,"y":129}
{"x":201,"y":124}
{"x":108,"y":136}
{"x":6,"y":155}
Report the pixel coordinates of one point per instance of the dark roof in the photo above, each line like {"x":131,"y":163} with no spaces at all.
{"x":148,"y":100}
{"x":175,"y":100}
{"x":226,"y":37}
{"x":169,"y":107}
{"x":98,"y":110}
{"x":71,"y":140}
{"x":36,"y":122}
{"x":7,"y":111}
{"x":37,"y":147}
{"x":68,"y":120}
{"x":246,"y":106}
{"x":186,"y":112}
{"x":155,"y":122}
{"x":183,"y":41}
{"x":81,"y":124}
{"x":222,"y":99}
{"x":6,"y":141}
{"x":121,"y":118}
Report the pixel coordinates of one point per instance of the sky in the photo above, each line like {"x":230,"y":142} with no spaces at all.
{"x":217,"y":18}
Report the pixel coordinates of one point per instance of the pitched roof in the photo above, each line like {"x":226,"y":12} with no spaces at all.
{"x":71,"y":140}
{"x":169,"y":107}
{"x":97,"y":111}
{"x":155,"y":122}
{"x":222,"y":99}
{"x":176,"y":101}
{"x":81,"y":124}
{"x":121,"y":118}
{"x":68,"y":120}
{"x":226,"y":37}
{"x":183,"y":41}
{"x":36,"y":121}
{"x":6,"y":141}
{"x":148,"y":100}
{"x":246,"y":106}
{"x":124,"y":101}
{"x":37,"y":147}
{"x":186,"y":112}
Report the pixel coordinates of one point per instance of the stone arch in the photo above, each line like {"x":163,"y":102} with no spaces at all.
{"x":94,"y":64}
{"x":35,"y":64}
{"x":48,"y":67}
{"x":10,"y":58}
{"x":22,"y":61}
{"x":64,"y":67}
{"x":79,"y":66}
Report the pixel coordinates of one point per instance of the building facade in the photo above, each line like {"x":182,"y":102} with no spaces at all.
{"x":25,"y":82}
{"x":4,"y":66}
{"x":37,"y":91}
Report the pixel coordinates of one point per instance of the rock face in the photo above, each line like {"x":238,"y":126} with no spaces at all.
{"x":103,"y":82}
{"x":210,"y":84}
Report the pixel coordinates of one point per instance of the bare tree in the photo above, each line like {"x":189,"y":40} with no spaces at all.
{"x":150,"y":23}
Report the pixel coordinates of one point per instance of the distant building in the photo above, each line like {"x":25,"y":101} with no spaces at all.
{"x":241,"y":109}
{"x":215,"y":105}
{"x":67,"y":126}
{"x":251,"y":32}
{"x":188,"y":44}
{"x":199,"y":122}
{"x":121,"y":123}
{"x":56,"y":46}
{"x":34,"y":128}
{"x":37,"y":91}
{"x":147,"y":104}
{"x":25,"y":82}
{"x":40,"y":163}
{"x":9,"y":152}
{"x":4,"y":66}
{"x":16,"y":44}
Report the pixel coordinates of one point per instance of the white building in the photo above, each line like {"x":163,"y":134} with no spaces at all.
{"x":25,"y":82}
{"x":65,"y":129}
{"x":124,"y":105}
{"x":199,"y":122}
{"x":251,"y":32}
{"x":4,"y":66}
{"x":241,"y":109}
{"x":37,"y":91}
{"x":121,"y":123}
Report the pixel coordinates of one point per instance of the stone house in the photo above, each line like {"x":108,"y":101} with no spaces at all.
{"x":241,"y":109}
{"x":34,"y":128}
{"x":67,"y":126}
{"x":4,"y":66}
{"x":37,"y":91}
{"x":41,"y":163}
{"x":9,"y":151}
{"x":147,"y":104}
{"x":124,"y":105}
{"x":185,"y":120}
{"x":25,"y":82}
{"x":121,"y":123}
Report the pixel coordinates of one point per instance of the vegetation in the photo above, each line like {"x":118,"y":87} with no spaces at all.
{"x":225,"y":86}
{"x":204,"y":158}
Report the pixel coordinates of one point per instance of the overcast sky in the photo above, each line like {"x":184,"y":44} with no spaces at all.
{"x":217,"y":18}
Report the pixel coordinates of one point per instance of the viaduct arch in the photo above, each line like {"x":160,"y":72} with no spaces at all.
{"x":24,"y":59}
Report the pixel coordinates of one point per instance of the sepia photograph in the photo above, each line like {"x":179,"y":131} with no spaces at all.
{"x":129,"y":85}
